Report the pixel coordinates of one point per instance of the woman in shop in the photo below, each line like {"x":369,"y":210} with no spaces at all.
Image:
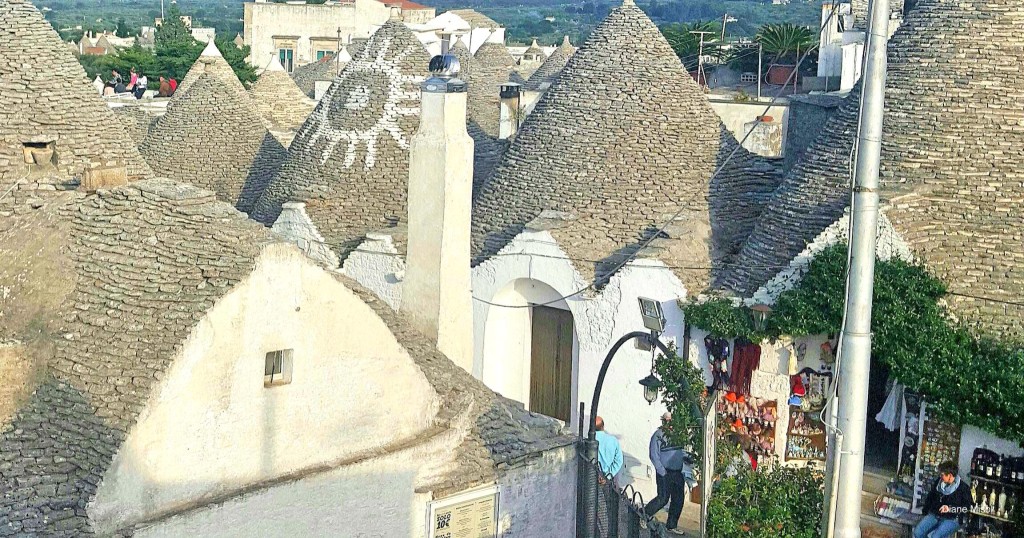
{"x":948,"y":500}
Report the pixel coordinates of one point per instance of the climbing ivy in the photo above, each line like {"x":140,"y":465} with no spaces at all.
{"x":683,"y":392}
{"x":966,"y":379}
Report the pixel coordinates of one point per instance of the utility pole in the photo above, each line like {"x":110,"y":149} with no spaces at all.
{"x":162,"y":16}
{"x":701,"y":79}
{"x":846,"y":465}
{"x":760,"y":51}
{"x":725,"y":20}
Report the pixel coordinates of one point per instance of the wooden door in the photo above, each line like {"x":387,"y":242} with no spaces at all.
{"x":551,"y":362}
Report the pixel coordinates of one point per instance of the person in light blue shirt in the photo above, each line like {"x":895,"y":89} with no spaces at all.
{"x":609,"y":453}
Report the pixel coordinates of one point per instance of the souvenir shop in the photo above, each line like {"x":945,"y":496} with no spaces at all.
{"x":772,"y":403}
{"x":993,"y":467}
{"x":773,"y":397}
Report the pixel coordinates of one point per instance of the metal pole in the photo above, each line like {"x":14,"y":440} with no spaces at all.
{"x":760,"y":50}
{"x":855,"y":365}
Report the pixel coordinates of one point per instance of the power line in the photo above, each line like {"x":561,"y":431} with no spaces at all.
{"x":682,"y":208}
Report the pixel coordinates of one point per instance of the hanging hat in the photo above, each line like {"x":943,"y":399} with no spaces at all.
{"x":741,"y":399}
{"x":795,"y":400}
{"x":730,"y":396}
{"x":796,"y":386}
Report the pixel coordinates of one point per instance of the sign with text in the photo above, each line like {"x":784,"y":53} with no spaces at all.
{"x":473,"y":514}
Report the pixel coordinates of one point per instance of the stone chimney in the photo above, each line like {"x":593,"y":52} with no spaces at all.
{"x":436,"y":291}
{"x":510,"y":116}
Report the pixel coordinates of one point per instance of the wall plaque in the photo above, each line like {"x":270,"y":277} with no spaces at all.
{"x":472,"y":514}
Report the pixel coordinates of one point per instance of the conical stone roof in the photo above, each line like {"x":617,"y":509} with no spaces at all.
{"x":487,"y":149}
{"x":326,"y":68}
{"x":215,"y":140}
{"x":493,"y":66}
{"x":621,"y":141}
{"x":952,"y":155}
{"x":350,"y":161}
{"x":545,"y":75}
{"x":210,"y":61}
{"x":75,"y":119}
{"x":281,"y":103}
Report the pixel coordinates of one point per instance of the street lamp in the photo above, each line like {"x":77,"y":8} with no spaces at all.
{"x":651,"y":384}
{"x":760,"y":313}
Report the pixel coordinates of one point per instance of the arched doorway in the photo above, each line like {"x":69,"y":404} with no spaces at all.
{"x":530,"y":354}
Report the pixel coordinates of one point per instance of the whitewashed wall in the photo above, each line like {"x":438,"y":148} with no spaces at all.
{"x":972,"y":437}
{"x":539,"y":499}
{"x":600,"y":319}
{"x":212,"y":427}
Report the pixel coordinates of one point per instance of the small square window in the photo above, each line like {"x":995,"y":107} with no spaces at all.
{"x":277,"y":368}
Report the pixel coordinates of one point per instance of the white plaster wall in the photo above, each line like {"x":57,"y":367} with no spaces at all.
{"x":374,"y":498}
{"x":377,"y":266}
{"x":599,"y":321}
{"x":538,"y":499}
{"x":737,"y":117}
{"x":295,"y":225}
{"x":972,"y":437}
{"x":263,"y":21}
{"x":211,"y":426}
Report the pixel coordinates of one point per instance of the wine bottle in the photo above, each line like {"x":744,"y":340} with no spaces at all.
{"x":992,"y":499}
{"x":974,"y":492}
{"x":988,"y":468}
{"x":999,"y":467}
{"x":1002,"y":502}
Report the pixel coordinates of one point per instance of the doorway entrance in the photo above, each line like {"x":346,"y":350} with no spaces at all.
{"x":551,"y":362}
{"x":881,"y":447}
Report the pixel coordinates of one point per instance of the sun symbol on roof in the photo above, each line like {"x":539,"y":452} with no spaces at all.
{"x":366,"y":102}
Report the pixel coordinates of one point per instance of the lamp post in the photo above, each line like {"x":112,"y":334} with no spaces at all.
{"x":654,"y":321}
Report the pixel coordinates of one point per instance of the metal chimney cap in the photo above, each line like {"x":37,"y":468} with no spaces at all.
{"x":444,"y":66}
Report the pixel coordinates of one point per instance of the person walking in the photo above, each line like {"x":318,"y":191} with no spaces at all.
{"x":674,"y":467}
{"x":947,"y":501}
{"x":609,"y":453}
{"x":174,"y":85}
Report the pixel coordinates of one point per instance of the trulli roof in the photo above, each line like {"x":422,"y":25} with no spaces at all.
{"x":279,"y":101}
{"x":324,"y":69}
{"x":493,"y":66}
{"x":212,"y":138}
{"x":210,"y":61}
{"x":952,"y":156}
{"x":350,"y":161}
{"x":34,"y":65}
{"x":545,"y":75}
{"x":624,"y":139}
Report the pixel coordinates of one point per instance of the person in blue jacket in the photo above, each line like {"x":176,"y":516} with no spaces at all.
{"x":609,"y":453}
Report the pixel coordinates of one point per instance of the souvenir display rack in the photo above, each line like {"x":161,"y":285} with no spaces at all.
{"x":939,"y":442}
{"x":806,"y":435}
{"x":752,"y":419}
{"x":997,"y":488}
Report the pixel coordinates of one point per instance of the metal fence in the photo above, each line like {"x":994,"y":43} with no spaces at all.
{"x":611,"y":512}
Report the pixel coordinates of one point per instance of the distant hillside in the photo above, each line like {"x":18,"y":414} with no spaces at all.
{"x":546,"y":20}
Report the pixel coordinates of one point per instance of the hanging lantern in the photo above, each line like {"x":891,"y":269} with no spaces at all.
{"x":651,"y":384}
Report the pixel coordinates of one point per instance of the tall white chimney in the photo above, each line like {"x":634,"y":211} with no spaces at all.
{"x":436,"y":290}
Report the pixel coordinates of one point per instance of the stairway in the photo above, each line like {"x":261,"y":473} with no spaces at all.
{"x":871,"y":525}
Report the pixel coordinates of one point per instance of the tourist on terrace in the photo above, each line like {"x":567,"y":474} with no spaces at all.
{"x":948,"y":500}
{"x":141,"y":86}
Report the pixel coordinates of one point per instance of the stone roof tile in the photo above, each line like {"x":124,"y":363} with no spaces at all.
{"x":213,"y":138}
{"x":34,"y":64}
{"x":548,"y":72}
{"x":951,"y":160}
{"x":622,"y":140}
{"x":324,"y":69}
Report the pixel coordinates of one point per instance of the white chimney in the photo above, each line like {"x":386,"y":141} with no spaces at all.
{"x":436,"y":290}
{"x":510,"y":115}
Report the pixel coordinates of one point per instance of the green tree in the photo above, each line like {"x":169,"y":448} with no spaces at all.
{"x":173,"y":33}
{"x":235,"y":57}
{"x":122,"y":29}
{"x":784,"y":43}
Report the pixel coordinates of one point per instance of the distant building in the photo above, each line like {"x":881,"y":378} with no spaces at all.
{"x":204,"y":35}
{"x":842,"y":42}
{"x":469,"y":26}
{"x":299,"y":33}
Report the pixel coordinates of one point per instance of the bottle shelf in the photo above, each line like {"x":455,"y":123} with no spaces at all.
{"x":990,"y":516}
{"x":994,"y":481}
